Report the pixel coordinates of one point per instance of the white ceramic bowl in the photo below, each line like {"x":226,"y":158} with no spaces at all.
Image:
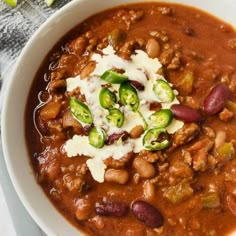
{"x":13,"y":139}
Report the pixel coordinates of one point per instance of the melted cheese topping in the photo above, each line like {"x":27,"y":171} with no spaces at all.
{"x":79,"y":145}
{"x":97,"y":169}
{"x":140,"y":68}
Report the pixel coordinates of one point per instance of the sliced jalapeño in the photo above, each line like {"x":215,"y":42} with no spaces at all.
{"x":107,"y":98}
{"x":156,"y":139}
{"x":113,"y":77}
{"x":161,"y":118}
{"x":81,"y":111}
{"x":128,"y":96}
{"x":97,"y":137}
{"x":163,"y":91}
{"x":116,"y":117}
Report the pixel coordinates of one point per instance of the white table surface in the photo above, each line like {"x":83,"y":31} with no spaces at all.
{"x":6,"y":224}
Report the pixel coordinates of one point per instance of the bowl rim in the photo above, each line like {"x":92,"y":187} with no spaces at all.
{"x":10,"y":83}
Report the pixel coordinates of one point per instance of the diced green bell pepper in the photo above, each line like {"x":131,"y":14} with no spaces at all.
{"x":226,"y":151}
{"x":210,"y":200}
{"x":178,"y":193}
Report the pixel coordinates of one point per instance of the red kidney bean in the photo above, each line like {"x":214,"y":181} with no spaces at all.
{"x":186,"y":114}
{"x":137,"y":85}
{"x":116,"y":136}
{"x":111,"y":209}
{"x":147,"y":213}
{"x":155,"y":106}
{"x":87,"y":128}
{"x":216,"y":99}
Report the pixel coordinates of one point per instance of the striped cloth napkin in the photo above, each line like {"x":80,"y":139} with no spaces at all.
{"x":16,"y":26}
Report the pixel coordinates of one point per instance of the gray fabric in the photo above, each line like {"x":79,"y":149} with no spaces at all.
{"x":16,"y":26}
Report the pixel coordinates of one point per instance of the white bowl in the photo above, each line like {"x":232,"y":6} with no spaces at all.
{"x":13,"y":139}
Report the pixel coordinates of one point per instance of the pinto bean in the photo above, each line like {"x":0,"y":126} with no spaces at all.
{"x":88,"y":69}
{"x":216,"y":99}
{"x":166,"y":56}
{"x":111,"y":209}
{"x":144,"y":168}
{"x":147,"y":213}
{"x":50,"y":110}
{"x":153,"y":48}
{"x":137,"y":131}
{"x":117,"y":176}
{"x":186,"y":114}
{"x":148,"y":190}
{"x":83,"y":209}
